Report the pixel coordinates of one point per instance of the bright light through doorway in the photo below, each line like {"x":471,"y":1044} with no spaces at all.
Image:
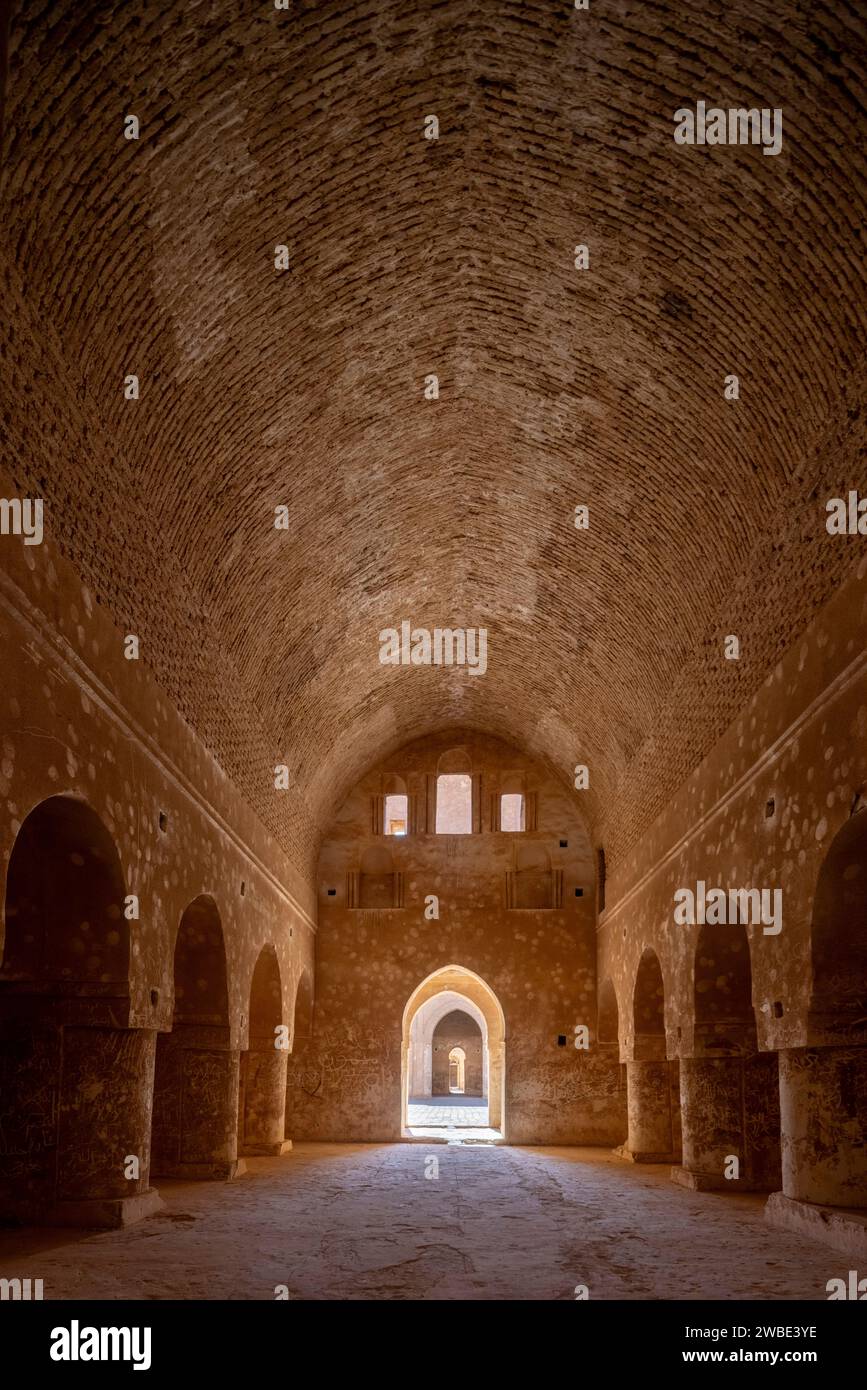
{"x":396,"y":815}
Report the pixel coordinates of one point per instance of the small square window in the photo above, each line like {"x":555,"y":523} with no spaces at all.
{"x":511,"y":811}
{"x":332,"y":892}
{"x":579,"y":892}
{"x":564,"y":844}
{"x":561,"y":1039}
{"x":396,"y":815}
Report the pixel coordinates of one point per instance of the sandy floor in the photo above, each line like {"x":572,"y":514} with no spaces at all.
{"x":363,"y":1222}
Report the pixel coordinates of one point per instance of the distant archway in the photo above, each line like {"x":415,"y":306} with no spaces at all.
{"x":195,"y":1078}
{"x":262,"y":1095}
{"x":457,"y":1032}
{"x":479,"y":1001}
{"x":457,"y":1071}
{"x":425,"y":1046}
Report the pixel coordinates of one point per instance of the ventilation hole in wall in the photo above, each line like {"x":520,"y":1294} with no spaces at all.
{"x":243,"y":888}
{"x":561,"y":1039}
{"x":290,"y":933}
{"x":778,"y":1009}
{"x":155,"y":998}
{"x":164,"y":822}
{"x":579,"y":892}
{"x":679,"y":1034}
{"x":769,"y":809}
{"x":332,"y":892}
{"x":624,"y":933}
{"x":564,"y":844}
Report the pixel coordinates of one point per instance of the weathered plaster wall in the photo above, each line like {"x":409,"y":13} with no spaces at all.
{"x":539,"y":963}
{"x":79,"y":720}
{"x":801,"y":743}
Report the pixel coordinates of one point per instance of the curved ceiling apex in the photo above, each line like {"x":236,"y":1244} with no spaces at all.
{"x":294,"y":488}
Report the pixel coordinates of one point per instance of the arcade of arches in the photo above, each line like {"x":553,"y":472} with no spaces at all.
{"x":221,"y":989}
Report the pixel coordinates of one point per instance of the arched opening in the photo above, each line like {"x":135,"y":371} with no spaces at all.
{"x":194,"y":1132}
{"x":723,"y":988}
{"x":447,"y":1024}
{"x":512,"y":809}
{"x":262,"y":1097}
{"x":648,"y":1009}
{"x":64,"y":918}
{"x":457,"y":1071}
{"x":838,"y":938}
{"x":453,"y":1008}
{"x":457,"y":1031}
{"x":823,"y":1087}
{"x":608,"y":1049}
{"x":302,"y":1040}
{"x":730,"y":1103}
{"x":653,"y":1083}
{"x":64,"y":995}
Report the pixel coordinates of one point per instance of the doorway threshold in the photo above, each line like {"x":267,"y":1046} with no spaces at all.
{"x":452,"y":1134}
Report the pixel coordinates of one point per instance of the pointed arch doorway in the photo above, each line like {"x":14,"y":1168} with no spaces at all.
{"x":452,"y":1008}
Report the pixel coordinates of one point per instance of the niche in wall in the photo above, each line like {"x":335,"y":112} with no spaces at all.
{"x":532,"y":883}
{"x":375,"y":884}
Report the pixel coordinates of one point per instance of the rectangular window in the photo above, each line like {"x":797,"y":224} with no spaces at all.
{"x":396,"y":815}
{"x":511,"y":811}
{"x":454,"y":804}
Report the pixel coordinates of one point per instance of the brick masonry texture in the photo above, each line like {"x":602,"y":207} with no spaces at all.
{"x":408,"y":257}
